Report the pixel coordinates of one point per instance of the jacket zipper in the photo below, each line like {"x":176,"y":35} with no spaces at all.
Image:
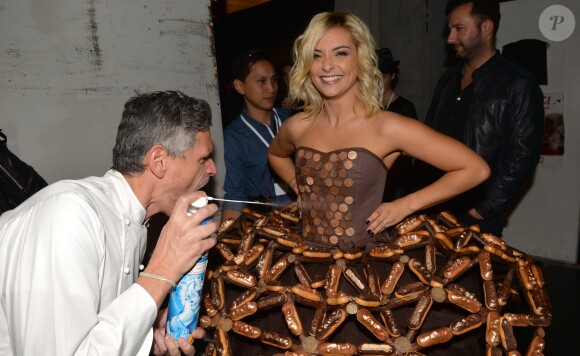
{"x":14,"y":180}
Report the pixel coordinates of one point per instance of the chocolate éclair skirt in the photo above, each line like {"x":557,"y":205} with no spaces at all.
{"x":429,"y":287}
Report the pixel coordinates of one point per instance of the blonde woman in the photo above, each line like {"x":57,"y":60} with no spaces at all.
{"x":344,"y":144}
{"x":336,"y":154}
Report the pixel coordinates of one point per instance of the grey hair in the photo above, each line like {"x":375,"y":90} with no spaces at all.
{"x":169,"y":118}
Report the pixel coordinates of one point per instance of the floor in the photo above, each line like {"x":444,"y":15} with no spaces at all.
{"x":563,"y":288}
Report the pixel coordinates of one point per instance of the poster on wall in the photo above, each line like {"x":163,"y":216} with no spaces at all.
{"x":553,"y":143}
{"x":554,"y":134}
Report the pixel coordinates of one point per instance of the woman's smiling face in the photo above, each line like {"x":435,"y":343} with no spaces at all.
{"x":334,"y":68}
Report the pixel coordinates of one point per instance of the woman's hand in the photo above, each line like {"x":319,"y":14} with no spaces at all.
{"x":386,"y":214}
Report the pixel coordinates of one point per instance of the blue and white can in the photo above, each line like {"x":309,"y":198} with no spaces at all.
{"x":185,"y":299}
{"x":185,"y":302}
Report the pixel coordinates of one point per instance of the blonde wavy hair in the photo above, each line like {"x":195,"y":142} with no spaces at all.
{"x":369,"y":84}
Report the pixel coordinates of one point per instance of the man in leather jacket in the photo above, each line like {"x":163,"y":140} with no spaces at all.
{"x":493,"y":106}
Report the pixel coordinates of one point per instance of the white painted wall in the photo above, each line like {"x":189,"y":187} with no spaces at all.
{"x":546,"y":221}
{"x":67,"y":67}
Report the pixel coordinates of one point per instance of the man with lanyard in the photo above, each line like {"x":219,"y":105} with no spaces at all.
{"x":247,"y":138}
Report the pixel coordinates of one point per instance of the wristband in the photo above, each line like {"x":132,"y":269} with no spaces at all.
{"x":154,"y":276}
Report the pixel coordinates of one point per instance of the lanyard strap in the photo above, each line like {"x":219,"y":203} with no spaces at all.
{"x":277,"y":122}
{"x":390,"y":100}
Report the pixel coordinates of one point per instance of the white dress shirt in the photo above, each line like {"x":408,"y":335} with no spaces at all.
{"x":69,"y":258}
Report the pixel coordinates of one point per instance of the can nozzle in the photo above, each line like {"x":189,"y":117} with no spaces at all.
{"x":199,"y":203}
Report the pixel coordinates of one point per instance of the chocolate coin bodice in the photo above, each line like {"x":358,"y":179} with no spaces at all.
{"x":339,"y":190}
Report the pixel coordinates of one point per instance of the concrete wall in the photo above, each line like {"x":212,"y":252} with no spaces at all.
{"x":67,"y":67}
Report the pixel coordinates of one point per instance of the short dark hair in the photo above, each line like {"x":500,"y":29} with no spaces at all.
{"x":243,"y":63}
{"x":481,"y":9}
{"x":169,"y":118}
{"x":387,"y":64}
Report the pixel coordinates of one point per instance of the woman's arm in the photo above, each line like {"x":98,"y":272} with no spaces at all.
{"x":464,"y":169}
{"x":279,"y":155}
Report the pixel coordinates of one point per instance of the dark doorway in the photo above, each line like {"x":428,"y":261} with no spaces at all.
{"x":272,"y":26}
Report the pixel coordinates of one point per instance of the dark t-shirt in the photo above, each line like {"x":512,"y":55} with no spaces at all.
{"x":404,"y":107}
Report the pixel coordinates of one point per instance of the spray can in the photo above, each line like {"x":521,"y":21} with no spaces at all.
{"x":185,"y":299}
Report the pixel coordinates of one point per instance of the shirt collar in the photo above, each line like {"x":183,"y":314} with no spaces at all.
{"x":485,"y":66}
{"x":255,"y":122}
{"x":125,"y":198}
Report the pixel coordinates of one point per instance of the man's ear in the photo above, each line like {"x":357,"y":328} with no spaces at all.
{"x":487,"y":28}
{"x":239,"y":86}
{"x":156,"y":160}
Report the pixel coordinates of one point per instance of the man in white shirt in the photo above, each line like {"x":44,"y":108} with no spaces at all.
{"x":70,"y":255}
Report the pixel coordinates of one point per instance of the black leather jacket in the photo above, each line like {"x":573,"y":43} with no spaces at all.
{"x":505,"y":126}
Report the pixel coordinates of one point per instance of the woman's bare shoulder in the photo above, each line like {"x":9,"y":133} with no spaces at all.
{"x":389,"y":119}
{"x":297,"y":118}
{"x":390,"y":115}
{"x":298,"y":121}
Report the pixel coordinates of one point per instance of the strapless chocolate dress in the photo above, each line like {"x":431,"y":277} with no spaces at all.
{"x":339,"y":190}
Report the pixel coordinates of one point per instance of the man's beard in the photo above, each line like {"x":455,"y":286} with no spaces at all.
{"x":470,"y":52}
{"x":472,"y":49}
